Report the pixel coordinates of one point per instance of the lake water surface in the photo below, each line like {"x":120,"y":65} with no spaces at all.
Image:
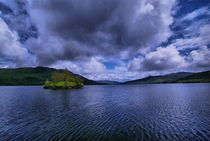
{"x":112,"y":113}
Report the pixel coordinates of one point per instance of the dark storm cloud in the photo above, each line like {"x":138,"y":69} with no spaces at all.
{"x":85,"y":35}
{"x":5,"y":9}
{"x":15,"y":14}
{"x":90,"y":28}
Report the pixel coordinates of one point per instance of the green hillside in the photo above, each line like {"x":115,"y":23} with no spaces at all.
{"x":160,"y":79}
{"x":201,"y":77}
{"x":31,"y":76}
{"x":181,"y":77}
{"x":38,"y":76}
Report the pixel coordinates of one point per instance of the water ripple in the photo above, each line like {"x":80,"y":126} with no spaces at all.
{"x":101,"y":113}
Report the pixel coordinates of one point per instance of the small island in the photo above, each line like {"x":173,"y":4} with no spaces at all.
{"x":64,"y":80}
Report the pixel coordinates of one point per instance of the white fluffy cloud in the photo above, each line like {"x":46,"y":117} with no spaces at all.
{"x":195,"y":14}
{"x":200,"y":58}
{"x":202,"y":39}
{"x":160,"y":59}
{"x":195,"y":29}
{"x":11,"y":49}
{"x":10,"y":45}
{"x":93,"y":67}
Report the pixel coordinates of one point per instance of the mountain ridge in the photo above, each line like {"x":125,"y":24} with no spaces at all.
{"x":32,"y":76}
{"x":179,"y":77}
{"x":38,"y":76}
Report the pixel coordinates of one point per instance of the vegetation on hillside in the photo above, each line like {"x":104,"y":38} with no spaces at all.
{"x":181,"y":77}
{"x":170,"y":78}
{"x":64,"y":80}
{"x":32,"y":76}
{"x":201,"y":77}
{"x":38,"y":76}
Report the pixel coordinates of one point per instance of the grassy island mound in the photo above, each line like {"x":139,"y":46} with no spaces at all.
{"x":64,"y":80}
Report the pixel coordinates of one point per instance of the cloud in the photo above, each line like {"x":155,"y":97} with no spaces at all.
{"x":161,"y":59}
{"x":195,"y":14}
{"x":191,"y":30}
{"x":107,"y":39}
{"x":89,"y":28}
{"x":200,"y":58}
{"x":168,"y":59}
{"x":197,"y":35}
{"x":11,"y":50}
{"x":16,"y":16}
{"x":94,"y":69}
{"x":92,"y":65}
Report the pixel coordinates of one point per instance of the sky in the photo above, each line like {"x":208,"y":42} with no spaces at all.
{"x":116,"y":40}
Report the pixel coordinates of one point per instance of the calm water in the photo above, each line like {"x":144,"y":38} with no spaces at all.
{"x":122,"y":112}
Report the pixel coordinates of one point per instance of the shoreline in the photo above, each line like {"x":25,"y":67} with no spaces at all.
{"x":117,"y":84}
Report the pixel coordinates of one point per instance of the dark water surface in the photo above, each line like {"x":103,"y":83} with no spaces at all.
{"x":116,"y":112}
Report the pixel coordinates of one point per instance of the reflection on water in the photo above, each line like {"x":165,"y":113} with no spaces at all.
{"x":116,"y":112}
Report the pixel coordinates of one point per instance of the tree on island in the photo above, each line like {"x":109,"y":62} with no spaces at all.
{"x":64,"y":80}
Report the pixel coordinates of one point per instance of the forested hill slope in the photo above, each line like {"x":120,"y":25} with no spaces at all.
{"x":196,"y":78}
{"x":38,"y":76}
{"x":180,"y":77}
{"x":31,"y":76}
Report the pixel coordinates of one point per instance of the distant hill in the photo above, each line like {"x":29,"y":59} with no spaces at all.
{"x":38,"y":76}
{"x":107,"y":82}
{"x":180,"y":77}
{"x":31,"y":76}
{"x":196,"y":78}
